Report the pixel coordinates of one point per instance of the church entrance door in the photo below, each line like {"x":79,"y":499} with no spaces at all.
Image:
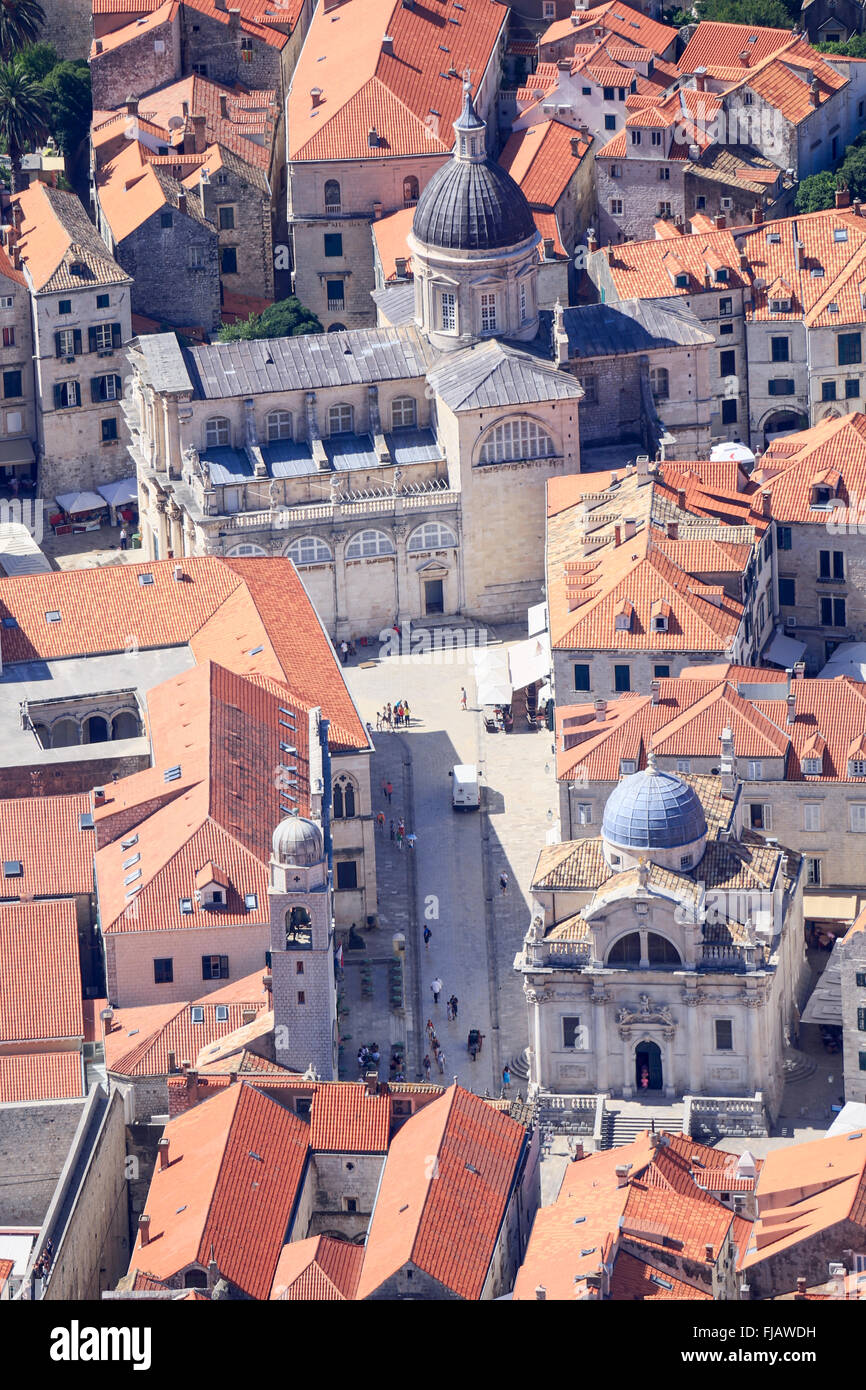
{"x":434,"y":596}
{"x":648,"y":1067}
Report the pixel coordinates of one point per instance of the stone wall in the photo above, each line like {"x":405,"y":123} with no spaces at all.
{"x":62,"y":777}
{"x":808,"y":1258}
{"x":146,"y":61}
{"x":410,"y":1282}
{"x":640,"y":190}
{"x":251,"y":236}
{"x":130,"y":955}
{"x":67,"y":27}
{"x":165,"y":286}
{"x":216,"y":45}
{"x":34,"y":1143}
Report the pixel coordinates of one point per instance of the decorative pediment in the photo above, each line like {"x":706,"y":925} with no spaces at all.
{"x":646,"y":1012}
{"x":433,"y":569}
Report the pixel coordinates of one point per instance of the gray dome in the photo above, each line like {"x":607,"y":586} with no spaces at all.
{"x":653,"y":810}
{"x":469,"y":206}
{"x":298,"y":841}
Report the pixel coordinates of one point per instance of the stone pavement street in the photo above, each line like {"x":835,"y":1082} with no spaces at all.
{"x":459,"y":856}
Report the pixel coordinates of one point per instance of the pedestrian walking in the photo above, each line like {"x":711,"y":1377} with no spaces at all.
{"x":378,"y":720}
{"x":426,"y":1068}
{"x":388,"y":715}
{"x":389,"y":790}
{"x":411,"y":838}
{"x":436,"y":987}
{"x":344,"y":652}
{"x":463,"y":697}
{"x":440,"y":1060}
{"x":124,"y":538}
{"x":506,"y":1076}
{"x":400,"y":834}
{"x":429,"y":1029}
{"x":380,"y":821}
{"x":503,"y":882}
{"x":452,"y":1006}
{"x":392,"y":830}
{"x":427,"y":935}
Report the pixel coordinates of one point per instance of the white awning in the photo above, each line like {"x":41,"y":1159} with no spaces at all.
{"x":784,"y":651}
{"x":493,"y":692}
{"x":75,"y":502}
{"x":19,"y":553}
{"x":822,"y":907}
{"x":529,"y":661}
{"x":536,"y":618}
{"x":118,"y":494}
{"x":731,"y":453}
{"x":849,"y":659}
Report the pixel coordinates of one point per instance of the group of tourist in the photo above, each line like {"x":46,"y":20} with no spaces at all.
{"x":393,"y":716}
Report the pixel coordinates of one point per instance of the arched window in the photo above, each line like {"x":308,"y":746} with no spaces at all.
{"x":309,"y":550}
{"x":344,"y":798}
{"x":332,"y":196}
{"x":96,"y":729}
{"x":238,"y":550}
{"x":410,"y":191}
{"x":516,"y":439}
{"x":661,"y":952}
{"x":65,"y":734}
{"x":125,"y":725}
{"x":660,"y":383}
{"x":404,"y":413}
{"x":217,"y":432}
{"x":341,"y":419}
{"x":366,"y":543}
{"x":279,"y":424}
{"x":626,"y":951}
{"x":195,"y":1279}
{"x":299,"y":929}
{"x":336,"y":328}
{"x":433,"y":535}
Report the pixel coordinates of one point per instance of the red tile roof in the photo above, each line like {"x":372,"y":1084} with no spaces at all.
{"x":247,"y":129}
{"x":717,"y":47}
{"x":42,"y":833}
{"x":140,"y":1040}
{"x":346,"y":1119}
{"x":634,"y":1281}
{"x":397,"y":92}
{"x":447,"y":1227}
{"x":320,"y":1269}
{"x":790,"y":468}
{"x":786,"y":82}
{"x":41,"y":1076}
{"x":614,"y":18}
{"x":541,"y":161}
{"x":235,"y":1167}
{"x":6,"y":1268}
{"x":146,"y":23}
{"x":40,"y":972}
{"x":805,"y":1190}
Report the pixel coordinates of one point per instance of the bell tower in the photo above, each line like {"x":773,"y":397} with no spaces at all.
{"x":302,"y":949}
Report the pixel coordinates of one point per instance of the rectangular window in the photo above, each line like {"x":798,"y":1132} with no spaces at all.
{"x":655,"y":137}
{"x":571,"y":1034}
{"x":812,"y":815}
{"x":66,"y":395}
{"x":780,"y":350}
{"x":8,"y":337}
{"x":635,"y":137}
{"x":106,"y":388}
{"x":228,"y":260}
{"x":661,"y":673}
{"x":6,"y":301}
{"x":616,"y":207}
{"x":755,"y":769}
{"x":664,"y":209}
{"x":724,"y":1035}
{"x":760,"y":815}
{"x":858,"y":818}
{"x":608,"y":94}
{"x":67,"y":342}
{"x":214,"y":967}
{"x":621,"y":678}
{"x":861,"y":1020}
{"x":163,"y":971}
{"x":102,"y":301}
{"x":227,"y":217}
{"x":581,"y":676}
{"x":100,"y":337}
{"x":861,"y":1056}
{"x":852,"y":388}
{"x":828,"y":390}
{"x":166,"y":220}
{"x":727,"y":362}
{"x":65,"y":306}
{"x":831,"y":564}
{"x":832,"y":612}
{"x":109,"y":430}
{"x":729,"y":412}
{"x":787,"y":593}
{"x":448,"y":312}
{"x":488,"y":313}
{"x":860,"y":979}
{"x":813,"y":872}
{"x":12,"y":384}
{"x":335,"y":294}
{"x":781,"y":386}
{"x":246,"y":49}
{"x":726,"y":308}
{"x":347,"y":875}
{"x":584,"y":813}
{"x":783,"y":537}
{"x":333,"y":243}
{"x":195,"y":257}
{"x":610,"y":122}
{"x":849,"y":349}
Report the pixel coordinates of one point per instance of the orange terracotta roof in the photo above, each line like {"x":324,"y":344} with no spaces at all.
{"x":785,"y":82}
{"x":806,"y":1189}
{"x":642,"y":269}
{"x":346,"y":1119}
{"x":261,"y":19}
{"x":57,"y":235}
{"x":145,"y":24}
{"x":833,"y":246}
{"x":614,"y":18}
{"x":40,"y":972}
{"x":235,"y":1167}
{"x":131,"y":189}
{"x":41,"y":1076}
{"x":717,"y":47}
{"x":541,"y":161}
{"x":390,"y":234}
{"x":448,"y":1227}
{"x":319,"y":1269}
{"x":548,"y":228}
{"x":6,"y":1268}
{"x":634,"y":1281}
{"x":396,"y":92}
{"x":249,"y":114}
{"x":789,"y":473}
{"x":42,"y":834}
{"x":139,"y":1040}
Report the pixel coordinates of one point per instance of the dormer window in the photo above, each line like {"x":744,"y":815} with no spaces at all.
{"x":196,"y":1014}
{"x":780,"y":306}
{"x":627,"y":766}
{"x":623,"y":622}
{"x":211,"y":886}
{"x":857,"y":767}
{"x":722,"y":274}
{"x":681,"y":281}
{"x":821,"y":496}
{"x":811,"y":767}
{"x":222,"y":1013}
{"x":660,"y":623}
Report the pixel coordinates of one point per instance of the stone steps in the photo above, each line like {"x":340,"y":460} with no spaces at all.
{"x":623,"y":1128}
{"x":799,"y":1068}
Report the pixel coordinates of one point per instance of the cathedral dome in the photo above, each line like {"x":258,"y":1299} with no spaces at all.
{"x":298,"y":841}
{"x":471,"y":203}
{"x":653,"y":810}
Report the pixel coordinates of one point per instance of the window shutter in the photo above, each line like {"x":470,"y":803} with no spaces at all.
{"x":768,"y":816}
{"x":58,"y":396}
{"x":115,"y":335}
{"x":118,"y":388}
{"x":205,"y":967}
{"x":91,"y":339}
{"x":224,"y":967}
{"x":58,"y":339}
{"x":94,"y":388}
{"x":76,"y":340}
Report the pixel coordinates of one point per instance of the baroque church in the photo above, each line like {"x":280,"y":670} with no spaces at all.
{"x":665,"y":957}
{"x":402,"y":468}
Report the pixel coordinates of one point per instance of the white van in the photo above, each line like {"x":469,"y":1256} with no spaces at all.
{"x":465,"y":794}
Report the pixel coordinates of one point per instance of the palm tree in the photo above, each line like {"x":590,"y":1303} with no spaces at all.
{"x":20,"y":24}
{"x":23,"y":115}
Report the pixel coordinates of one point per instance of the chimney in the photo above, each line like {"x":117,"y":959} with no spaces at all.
{"x":316,"y":96}
{"x":400,"y":263}
{"x":744,"y":261}
{"x":98,"y":46}
{"x":791,"y":703}
{"x":388,"y":44}
{"x":373,"y":137}
{"x":701,"y":79}
{"x":220,"y":5}
{"x":617,"y":534}
{"x":600,"y":711}
{"x":799,"y":670}
{"x":719,"y":221}
{"x":578,"y":1151}
{"x":591,"y":242}
{"x":766,"y":504}
{"x":673,"y":530}
{"x":199,"y":137}
{"x":181,"y":202}
{"x":16,"y":256}
{"x":622,"y":1171}
{"x":224,"y":106}
{"x":560,"y":336}
{"x":575,"y":146}
{"x":372,"y":1083}
{"x":249,"y":1016}
{"x":801,"y":1286}
{"x":745,"y":57}
{"x":843,"y":198}
{"x":541,"y":1293}
{"x":144,"y":1228}
{"x":655,"y":687}
{"x":234,"y":19}
{"x":172,"y":1061}
{"x":758,"y":215}
{"x":184,"y":109}
{"x":377,"y":212}
{"x":856,"y":205}
{"x":643,"y":467}
{"x":814,"y":98}
{"x":694,"y":152}
{"x":99,"y":796}
{"x":801,"y":255}
{"x":708,"y":1251}
{"x":162,"y":1149}
{"x":681,"y":498}
{"x":131,"y":108}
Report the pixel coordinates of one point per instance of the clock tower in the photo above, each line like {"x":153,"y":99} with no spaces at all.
{"x":302,"y":949}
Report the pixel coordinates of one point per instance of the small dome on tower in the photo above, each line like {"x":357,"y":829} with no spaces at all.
{"x":653,"y":810}
{"x":298,"y":841}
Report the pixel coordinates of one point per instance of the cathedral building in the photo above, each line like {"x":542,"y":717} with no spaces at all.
{"x":666,"y":956}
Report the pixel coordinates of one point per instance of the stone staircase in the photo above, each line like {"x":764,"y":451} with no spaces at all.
{"x":621,"y":1126}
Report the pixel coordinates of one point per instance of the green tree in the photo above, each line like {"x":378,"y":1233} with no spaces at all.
{"x":38,"y":60}
{"x":816,"y":192}
{"x":288,"y":318}
{"x":771,"y":14}
{"x":67,"y":91}
{"x":854,"y":48}
{"x":23,"y":116}
{"x":20,"y":24}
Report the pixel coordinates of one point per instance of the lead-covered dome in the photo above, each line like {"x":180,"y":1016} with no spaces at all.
{"x":653,"y":810}
{"x":298,"y":841}
{"x":471,"y":203}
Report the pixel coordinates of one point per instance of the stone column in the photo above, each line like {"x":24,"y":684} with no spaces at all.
{"x":692,"y":998}
{"x":754,"y":1004}
{"x":601,"y":1045}
{"x":341,"y":602}
{"x":538,"y":1053}
{"x":176,"y":523}
{"x":403,"y":596}
{"x":172,"y":439}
